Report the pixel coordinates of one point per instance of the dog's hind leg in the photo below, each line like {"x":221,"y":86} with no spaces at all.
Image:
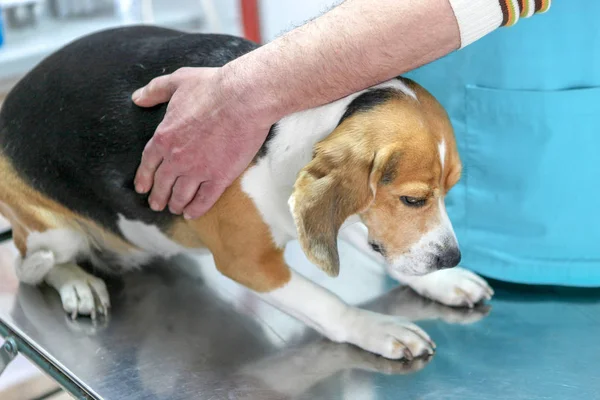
{"x":81,"y":293}
{"x":50,"y":256}
{"x":31,"y":266}
{"x":34,"y":267}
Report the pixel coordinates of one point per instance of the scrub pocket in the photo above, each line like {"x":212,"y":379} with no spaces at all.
{"x":532,"y":185}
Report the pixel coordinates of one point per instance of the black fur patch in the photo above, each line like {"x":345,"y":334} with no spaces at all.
{"x":72,"y":132}
{"x":369,"y":100}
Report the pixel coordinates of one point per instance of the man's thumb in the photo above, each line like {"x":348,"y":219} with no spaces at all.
{"x":159,"y":90}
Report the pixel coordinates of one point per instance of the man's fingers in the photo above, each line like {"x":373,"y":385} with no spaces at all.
{"x":159,"y":90}
{"x":151,"y":159}
{"x":184,"y":190}
{"x":164,"y":179}
{"x":206,"y":196}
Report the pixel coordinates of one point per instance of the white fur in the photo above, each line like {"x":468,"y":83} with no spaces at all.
{"x":271,"y":181}
{"x":151,"y":241}
{"x":419,"y":260}
{"x":34,"y":267}
{"x":445,"y":222}
{"x":391,"y":337}
{"x":149,"y":238}
{"x":357,"y":235}
{"x":66,"y":244}
{"x":442,"y":150}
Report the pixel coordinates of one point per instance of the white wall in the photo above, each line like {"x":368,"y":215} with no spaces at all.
{"x":279,"y":16}
{"x":229,"y":15}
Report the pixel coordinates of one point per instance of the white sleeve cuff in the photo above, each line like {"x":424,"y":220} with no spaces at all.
{"x":476,"y":18}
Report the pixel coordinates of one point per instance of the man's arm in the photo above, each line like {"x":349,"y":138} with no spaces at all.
{"x":203,"y":145}
{"x":356,"y":45}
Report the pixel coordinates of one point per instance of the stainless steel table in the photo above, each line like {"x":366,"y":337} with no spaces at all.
{"x":181,"y":331}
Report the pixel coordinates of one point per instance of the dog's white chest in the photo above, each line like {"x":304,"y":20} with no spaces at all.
{"x":271,"y":201}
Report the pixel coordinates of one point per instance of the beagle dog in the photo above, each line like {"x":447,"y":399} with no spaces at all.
{"x":374,"y":166}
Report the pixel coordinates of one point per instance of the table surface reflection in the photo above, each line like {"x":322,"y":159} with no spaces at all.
{"x":179,"y":330}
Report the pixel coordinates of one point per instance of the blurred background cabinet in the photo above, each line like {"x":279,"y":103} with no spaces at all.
{"x":32,"y":29}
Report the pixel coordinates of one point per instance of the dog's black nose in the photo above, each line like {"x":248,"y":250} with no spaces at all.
{"x":450,"y":258}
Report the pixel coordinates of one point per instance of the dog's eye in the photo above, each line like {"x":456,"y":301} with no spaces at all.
{"x":412,"y":201}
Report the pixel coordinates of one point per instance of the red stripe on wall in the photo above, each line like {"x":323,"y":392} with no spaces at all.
{"x":251,"y":20}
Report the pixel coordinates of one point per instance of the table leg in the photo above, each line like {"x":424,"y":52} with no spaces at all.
{"x":8,"y":352}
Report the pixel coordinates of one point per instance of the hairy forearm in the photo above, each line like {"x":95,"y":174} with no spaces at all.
{"x":355,"y":45}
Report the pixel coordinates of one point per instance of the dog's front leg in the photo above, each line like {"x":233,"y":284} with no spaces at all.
{"x":456,"y":287}
{"x":266,"y":273}
{"x":391,"y":337}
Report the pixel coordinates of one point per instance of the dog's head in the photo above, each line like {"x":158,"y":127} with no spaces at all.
{"x":391,"y":161}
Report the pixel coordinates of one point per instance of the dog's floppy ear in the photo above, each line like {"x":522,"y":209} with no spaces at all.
{"x":331,"y":188}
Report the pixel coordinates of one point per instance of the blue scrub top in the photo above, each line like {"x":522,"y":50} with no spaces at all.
{"x":1,"y":29}
{"x":525,"y":105}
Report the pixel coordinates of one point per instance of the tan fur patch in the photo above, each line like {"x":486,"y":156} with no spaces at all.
{"x":28,"y":211}
{"x":239,"y":240}
{"x":183,"y":233}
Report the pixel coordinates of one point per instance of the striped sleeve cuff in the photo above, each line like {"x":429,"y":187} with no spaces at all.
{"x":477,"y":18}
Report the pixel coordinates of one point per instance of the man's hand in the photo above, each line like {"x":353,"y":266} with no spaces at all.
{"x":203,"y":144}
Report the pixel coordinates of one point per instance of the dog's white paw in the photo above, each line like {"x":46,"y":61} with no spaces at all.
{"x":390,"y":337}
{"x":455,"y":287}
{"x":80,"y":292}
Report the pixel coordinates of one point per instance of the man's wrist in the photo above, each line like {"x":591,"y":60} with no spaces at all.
{"x":243,"y":87}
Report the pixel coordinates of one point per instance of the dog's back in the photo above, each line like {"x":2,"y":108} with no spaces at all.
{"x":70,"y":131}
